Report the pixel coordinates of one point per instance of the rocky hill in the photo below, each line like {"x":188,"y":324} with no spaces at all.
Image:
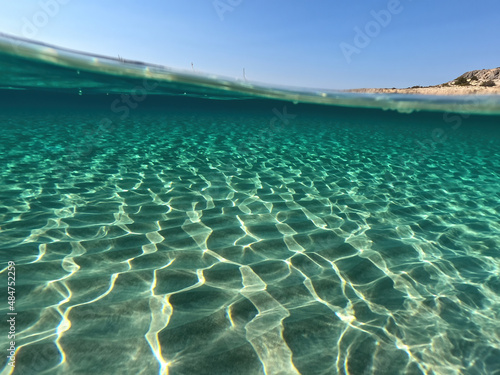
{"x":478,"y":78}
{"x":483,"y":75}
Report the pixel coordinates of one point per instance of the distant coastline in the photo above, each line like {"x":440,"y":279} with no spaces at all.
{"x":475,"y":82}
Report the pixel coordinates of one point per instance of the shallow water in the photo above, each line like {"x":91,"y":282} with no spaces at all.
{"x":199,"y":236}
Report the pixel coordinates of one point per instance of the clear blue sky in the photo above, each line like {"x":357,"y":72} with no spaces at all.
{"x":287,"y":42}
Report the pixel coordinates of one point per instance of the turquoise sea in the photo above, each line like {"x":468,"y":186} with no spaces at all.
{"x":168,"y":222}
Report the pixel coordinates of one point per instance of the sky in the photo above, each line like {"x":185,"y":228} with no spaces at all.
{"x":330,"y":44}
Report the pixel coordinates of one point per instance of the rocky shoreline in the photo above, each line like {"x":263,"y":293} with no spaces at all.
{"x":475,"y":82}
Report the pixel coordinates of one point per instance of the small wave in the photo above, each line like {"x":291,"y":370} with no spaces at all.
{"x":30,"y":65}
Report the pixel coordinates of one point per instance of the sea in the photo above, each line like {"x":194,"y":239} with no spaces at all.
{"x":159,"y":221}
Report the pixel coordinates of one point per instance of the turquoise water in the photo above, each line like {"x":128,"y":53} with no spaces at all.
{"x":165,"y":233}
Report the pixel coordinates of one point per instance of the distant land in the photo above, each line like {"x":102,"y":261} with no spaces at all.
{"x":475,"y":82}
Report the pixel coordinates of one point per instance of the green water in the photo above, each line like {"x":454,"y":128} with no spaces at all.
{"x":160,"y":233}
